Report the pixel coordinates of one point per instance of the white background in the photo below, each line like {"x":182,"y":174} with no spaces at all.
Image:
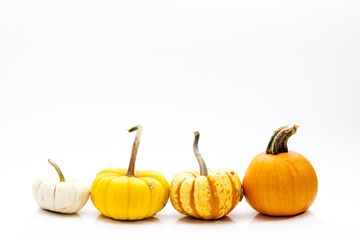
{"x":74,"y":75}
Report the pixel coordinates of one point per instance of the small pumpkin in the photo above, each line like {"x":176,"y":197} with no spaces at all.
{"x":58,"y":195}
{"x":205,"y":195}
{"x":129,"y":194}
{"x":279,"y":182}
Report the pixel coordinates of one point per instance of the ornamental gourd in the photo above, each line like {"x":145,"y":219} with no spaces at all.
{"x":279,"y":182}
{"x":58,"y":195}
{"x":129,"y":194}
{"x":208,"y":194}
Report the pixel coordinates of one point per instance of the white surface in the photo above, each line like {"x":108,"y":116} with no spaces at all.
{"x":75,"y":74}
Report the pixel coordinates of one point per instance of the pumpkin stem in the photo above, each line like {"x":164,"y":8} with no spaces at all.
{"x":203,"y":168}
{"x":278,"y":141}
{"x":61,"y":176}
{"x":131,"y":169}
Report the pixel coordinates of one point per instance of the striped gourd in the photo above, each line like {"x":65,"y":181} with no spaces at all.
{"x":206,"y":194}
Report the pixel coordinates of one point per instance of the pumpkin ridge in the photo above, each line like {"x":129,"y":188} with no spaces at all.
{"x":264,"y":177}
{"x":138,"y":187}
{"x":270,"y":181}
{"x":214,"y":200}
{"x":161,"y":179}
{"x":93,"y":189}
{"x":255,"y":182}
{"x":106,"y":194}
{"x":192,"y":199}
{"x":151,"y":199}
{"x":235,"y":194}
{"x":305,"y":194}
{"x":54,"y":195}
{"x":178,"y":194}
{"x":78,"y":193}
{"x":149,"y":214}
{"x":174,"y":190}
{"x":193,"y":174}
{"x":288,"y":190}
{"x":103,"y":204}
{"x":309,"y":175}
{"x":74,"y":200}
{"x":128,"y":199}
{"x":38,"y":186}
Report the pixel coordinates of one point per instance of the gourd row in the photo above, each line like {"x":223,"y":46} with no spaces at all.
{"x":277,"y":182}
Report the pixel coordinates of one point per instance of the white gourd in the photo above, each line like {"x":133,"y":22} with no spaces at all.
{"x":59,"y":195}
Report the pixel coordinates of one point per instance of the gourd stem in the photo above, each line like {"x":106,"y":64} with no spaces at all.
{"x":202,"y":165}
{"x":131,"y":169}
{"x":61,"y":176}
{"x":278,"y":141}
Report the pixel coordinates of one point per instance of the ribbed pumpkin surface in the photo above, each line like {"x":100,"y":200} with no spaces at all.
{"x":206,"y":197}
{"x":280,"y":185}
{"x":129,"y":198}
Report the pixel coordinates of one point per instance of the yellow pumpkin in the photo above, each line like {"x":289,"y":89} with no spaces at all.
{"x":129,"y":194}
{"x":279,"y":182}
{"x":205,"y":195}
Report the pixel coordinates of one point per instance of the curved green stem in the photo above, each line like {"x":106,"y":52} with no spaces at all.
{"x":278,"y":141}
{"x":61,"y":176}
{"x":131,"y":169}
{"x":202,"y":165}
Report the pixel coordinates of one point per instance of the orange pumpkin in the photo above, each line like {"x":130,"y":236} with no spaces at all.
{"x":279,"y":182}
